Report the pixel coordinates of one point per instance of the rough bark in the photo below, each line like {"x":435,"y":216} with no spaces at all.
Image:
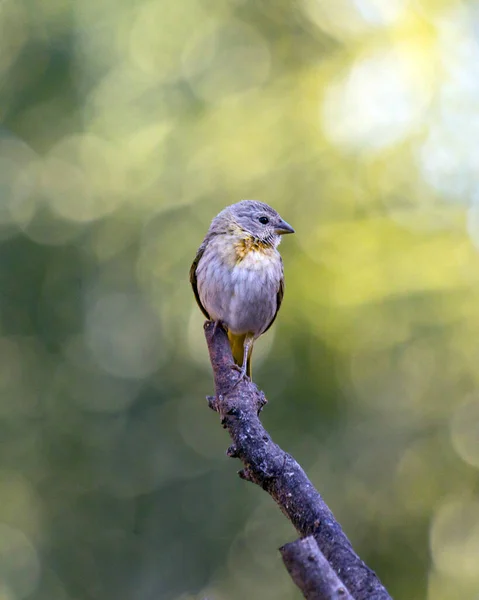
{"x":267,"y":465}
{"x":311,"y":572}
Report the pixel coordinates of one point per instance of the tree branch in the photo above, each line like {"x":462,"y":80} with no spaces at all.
{"x":267,"y":465}
{"x":311,"y":572}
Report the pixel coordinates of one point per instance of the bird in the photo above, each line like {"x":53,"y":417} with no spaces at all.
{"x":237,"y":275}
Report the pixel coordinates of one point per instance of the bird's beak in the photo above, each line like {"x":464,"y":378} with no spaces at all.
{"x":283,"y":228}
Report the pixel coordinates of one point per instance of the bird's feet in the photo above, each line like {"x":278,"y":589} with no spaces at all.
{"x":217,"y":324}
{"x":242,"y":374}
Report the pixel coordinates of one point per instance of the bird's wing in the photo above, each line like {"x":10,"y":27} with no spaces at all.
{"x":194,"y":283}
{"x":279,"y":297}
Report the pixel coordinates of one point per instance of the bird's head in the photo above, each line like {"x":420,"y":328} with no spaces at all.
{"x":255,"y":219}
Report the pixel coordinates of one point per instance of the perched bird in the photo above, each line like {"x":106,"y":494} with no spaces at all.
{"x":237,"y":275}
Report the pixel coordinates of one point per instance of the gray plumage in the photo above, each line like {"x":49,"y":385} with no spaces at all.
{"x":237,"y":275}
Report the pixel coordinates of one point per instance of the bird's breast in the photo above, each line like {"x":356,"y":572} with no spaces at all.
{"x":238,"y":285}
{"x":243,"y":252}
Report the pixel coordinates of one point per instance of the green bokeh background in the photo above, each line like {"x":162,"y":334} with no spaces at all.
{"x":125,"y":127}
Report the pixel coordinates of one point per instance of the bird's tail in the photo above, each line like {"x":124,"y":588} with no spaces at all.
{"x":237,"y":348}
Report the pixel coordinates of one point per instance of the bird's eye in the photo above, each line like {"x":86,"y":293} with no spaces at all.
{"x":263,"y":220}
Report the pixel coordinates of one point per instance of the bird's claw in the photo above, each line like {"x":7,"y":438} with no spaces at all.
{"x":217,"y":324}
{"x":242,"y":375}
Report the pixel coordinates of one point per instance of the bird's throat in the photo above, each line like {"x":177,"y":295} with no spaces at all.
{"x":246,"y":245}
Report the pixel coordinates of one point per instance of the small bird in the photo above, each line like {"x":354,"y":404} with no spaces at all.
{"x":237,"y":275}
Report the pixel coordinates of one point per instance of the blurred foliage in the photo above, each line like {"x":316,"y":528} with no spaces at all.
{"x":125,"y":127}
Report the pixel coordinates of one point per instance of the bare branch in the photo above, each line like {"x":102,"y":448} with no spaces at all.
{"x":311,"y":572}
{"x":267,"y":465}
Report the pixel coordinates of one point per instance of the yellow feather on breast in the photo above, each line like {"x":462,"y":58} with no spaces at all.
{"x":251,"y":250}
{"x":240,"y":249}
